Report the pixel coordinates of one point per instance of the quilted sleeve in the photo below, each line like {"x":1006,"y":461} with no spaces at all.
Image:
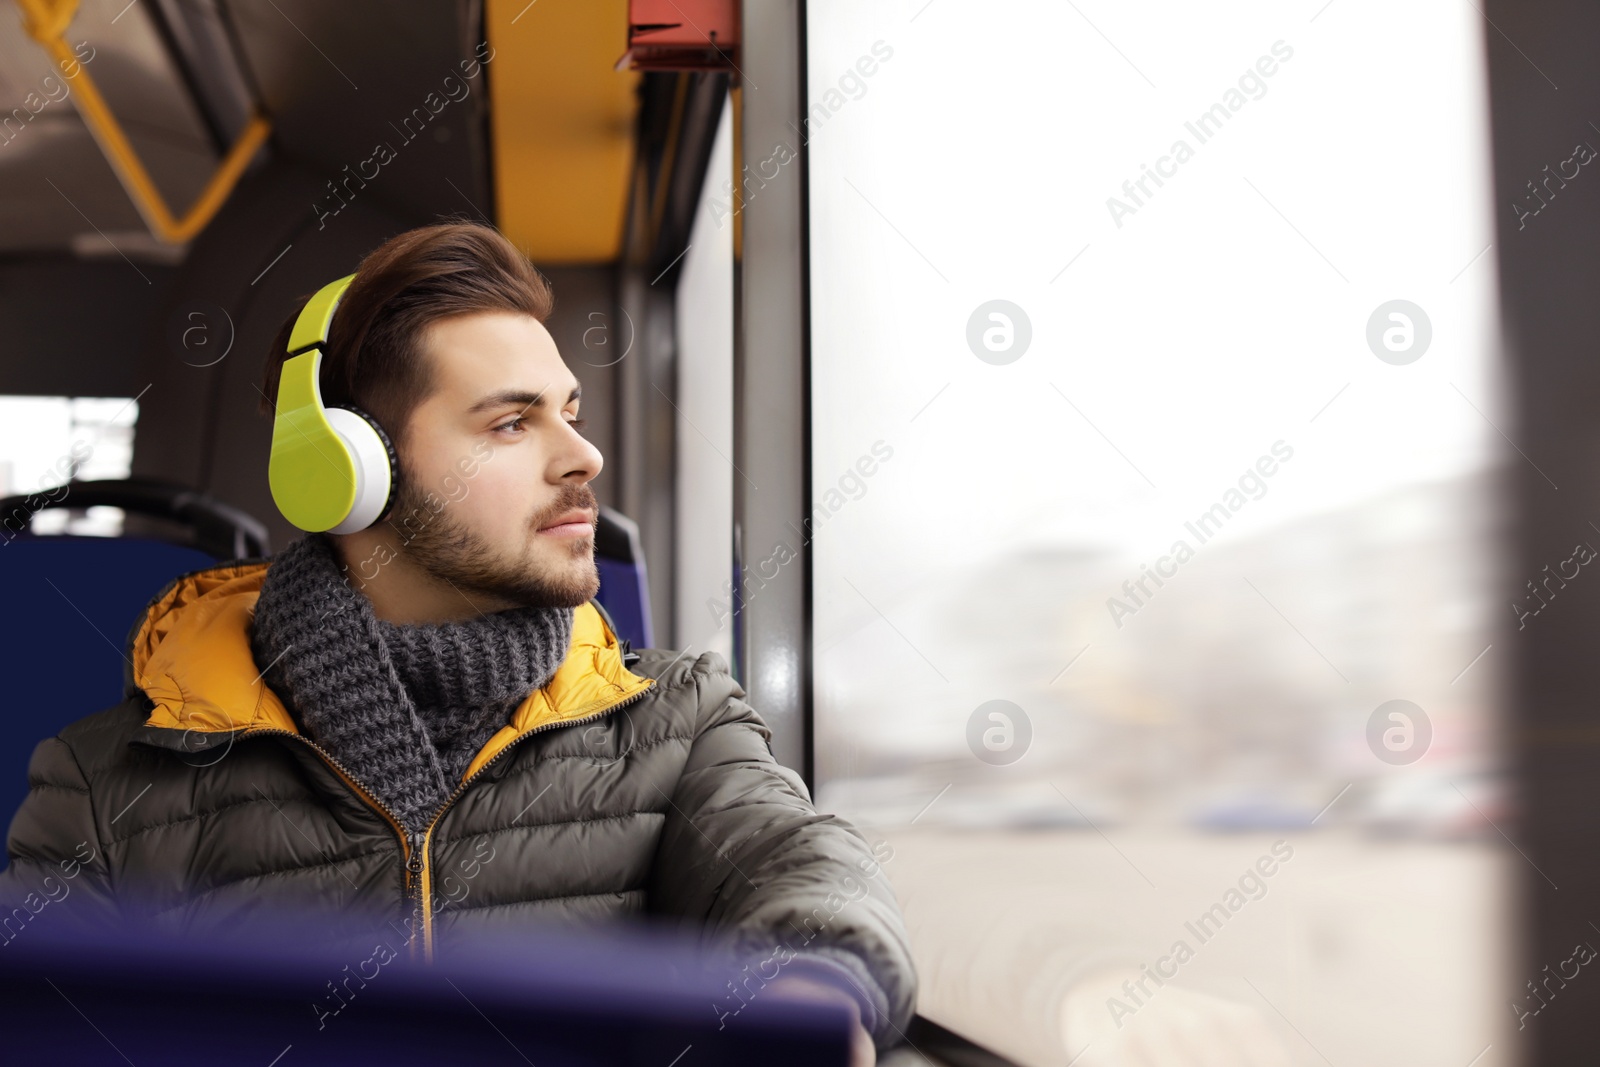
{"x":746,"y":856}
{"x":57,"y":876}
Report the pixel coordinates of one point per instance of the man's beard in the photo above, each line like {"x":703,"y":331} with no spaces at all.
{"x":453,"y":553}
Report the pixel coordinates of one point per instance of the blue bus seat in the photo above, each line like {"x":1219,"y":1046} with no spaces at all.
{"x":274,"y":991}
{"x":70,"y":602}
{"x":624,"y":586}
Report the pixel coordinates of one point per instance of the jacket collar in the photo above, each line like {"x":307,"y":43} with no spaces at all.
{"x":189,"y":653}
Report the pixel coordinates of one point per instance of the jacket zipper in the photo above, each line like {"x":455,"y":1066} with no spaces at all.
{"x":414,"y":847}
{"x":410,"y":845}
{"x":425,"y":900}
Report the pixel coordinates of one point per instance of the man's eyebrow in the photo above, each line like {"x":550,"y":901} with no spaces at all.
{"x":507,"y":397}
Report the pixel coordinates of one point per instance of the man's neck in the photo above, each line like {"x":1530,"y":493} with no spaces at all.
{"x":401,"y":592}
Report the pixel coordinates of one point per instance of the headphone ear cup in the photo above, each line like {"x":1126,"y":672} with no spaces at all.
{"x":391,"y":461}
{"x":375,"y":462}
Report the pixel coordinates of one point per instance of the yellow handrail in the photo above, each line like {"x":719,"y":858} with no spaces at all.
{"x":47,"y":22}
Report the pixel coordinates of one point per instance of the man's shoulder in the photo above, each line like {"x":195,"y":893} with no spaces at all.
{"x":671,"y":668}
{"x":99,"y":740}
{"x":690,"y":681}
{"x":697,"y":686}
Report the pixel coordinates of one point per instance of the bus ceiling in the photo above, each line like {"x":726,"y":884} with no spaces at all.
{"x":124,"y":130}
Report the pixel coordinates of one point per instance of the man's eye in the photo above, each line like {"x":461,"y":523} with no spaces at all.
{"x":576,"y":424}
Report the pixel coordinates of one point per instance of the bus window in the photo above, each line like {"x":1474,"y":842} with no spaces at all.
{"x":1155,"y":423}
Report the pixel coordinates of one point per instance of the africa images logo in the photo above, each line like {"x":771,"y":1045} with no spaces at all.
{"x":1204,"y":527}
{"x":410,"y":128}
{"x":1205,"y":126}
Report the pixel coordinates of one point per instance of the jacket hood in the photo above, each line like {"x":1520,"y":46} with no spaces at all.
{"x":189,"y":653}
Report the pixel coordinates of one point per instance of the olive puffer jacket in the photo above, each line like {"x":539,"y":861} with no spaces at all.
{"x":633,"y":785}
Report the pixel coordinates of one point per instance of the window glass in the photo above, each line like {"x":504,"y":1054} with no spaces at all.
{"x":1156,"y":417}
{"x":47,"y":441}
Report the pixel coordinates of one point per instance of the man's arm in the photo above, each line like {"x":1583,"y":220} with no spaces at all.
{"x":58,"y":877}
{"x":746,"y":855}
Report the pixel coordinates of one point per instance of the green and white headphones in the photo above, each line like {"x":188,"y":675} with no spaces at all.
{"x":332,"y":469}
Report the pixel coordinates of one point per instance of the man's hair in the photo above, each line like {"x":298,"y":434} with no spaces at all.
{"x":374,"y":358}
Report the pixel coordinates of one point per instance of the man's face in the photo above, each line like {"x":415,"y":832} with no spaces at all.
{"x":520,"y":530}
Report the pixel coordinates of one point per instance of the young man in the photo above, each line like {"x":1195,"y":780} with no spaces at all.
{"x":426,"y":722}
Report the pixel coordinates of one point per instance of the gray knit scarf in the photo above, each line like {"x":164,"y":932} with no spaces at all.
{"x":404,"y":708}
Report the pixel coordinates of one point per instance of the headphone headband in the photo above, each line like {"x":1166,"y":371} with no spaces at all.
{"x":315,"y":319}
